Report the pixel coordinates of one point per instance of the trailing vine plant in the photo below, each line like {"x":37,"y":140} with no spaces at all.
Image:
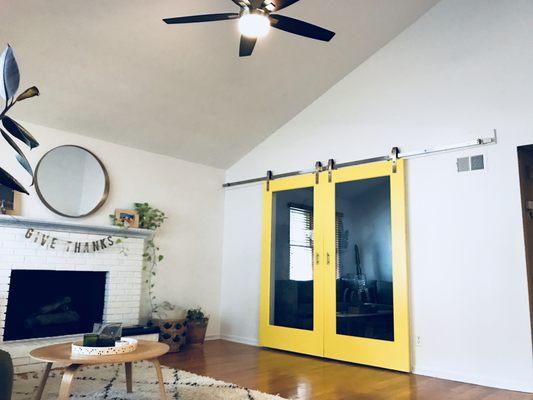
{"x":151,"y":218}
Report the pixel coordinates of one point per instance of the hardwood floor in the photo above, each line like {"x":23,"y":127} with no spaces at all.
{"x":300,"y":377}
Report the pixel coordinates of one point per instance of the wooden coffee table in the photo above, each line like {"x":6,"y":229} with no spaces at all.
{"x":61,"y":353}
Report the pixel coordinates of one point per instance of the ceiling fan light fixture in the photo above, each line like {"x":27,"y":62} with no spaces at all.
{"x":254,"y":25}
{"x":255,"y":20}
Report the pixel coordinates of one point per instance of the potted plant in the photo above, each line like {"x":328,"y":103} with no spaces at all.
{"x":196,"y":326}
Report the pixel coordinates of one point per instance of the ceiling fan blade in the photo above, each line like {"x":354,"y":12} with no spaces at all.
{"x":281,"y":4}
{"x":201,"y":18}
{"x":247,"y":46}
{"x":301,"y":28}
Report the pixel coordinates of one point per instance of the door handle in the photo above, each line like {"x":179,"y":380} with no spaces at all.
{"x":317,"y":258}
{"x":327,"y":258}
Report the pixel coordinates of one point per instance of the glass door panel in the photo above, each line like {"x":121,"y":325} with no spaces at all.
{"x":291,"y":289}
{"x":291,"y":301}
{"x":365,"y":293}
{"x":364,"y":259}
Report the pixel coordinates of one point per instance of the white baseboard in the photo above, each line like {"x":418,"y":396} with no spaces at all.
{"x":214,"y":336}
{"x":520,"y":386}
{"x":240,"y":339}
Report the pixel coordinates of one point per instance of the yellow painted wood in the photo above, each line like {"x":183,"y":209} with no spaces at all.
{"x":323,"y":340}
{"x":297,"y":340}
{"x":381,"y":353}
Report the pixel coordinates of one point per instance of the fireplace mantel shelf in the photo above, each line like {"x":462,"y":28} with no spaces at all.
{"x":8,"y":221}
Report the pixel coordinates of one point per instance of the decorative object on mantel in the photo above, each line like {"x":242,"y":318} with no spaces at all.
{"x":196,"y":325}
{"x":69,"y":246}
{"x":71,"y":181}
{"x":7,"y":200}
{"x":9,"y":84}
{"x":126,"y":218}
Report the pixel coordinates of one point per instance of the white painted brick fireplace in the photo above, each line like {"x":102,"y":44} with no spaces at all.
{"x":122,"y":262}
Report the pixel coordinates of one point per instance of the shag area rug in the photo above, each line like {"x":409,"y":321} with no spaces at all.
{"x":109,"y":382}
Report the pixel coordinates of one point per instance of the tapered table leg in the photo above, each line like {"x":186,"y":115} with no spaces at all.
{"x":44,"y":378}
{"x":157,"y":366}
{"x":66,"y":382}
{"x":129,"y":382}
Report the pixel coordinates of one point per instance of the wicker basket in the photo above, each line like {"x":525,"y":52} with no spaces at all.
{"x":172,"y":332}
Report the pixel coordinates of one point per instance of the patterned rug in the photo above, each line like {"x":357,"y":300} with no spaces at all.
{"x":109,"y":382}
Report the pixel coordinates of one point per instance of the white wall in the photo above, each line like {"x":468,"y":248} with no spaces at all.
{"x":461,"y":70}
{"x":190,"y":194}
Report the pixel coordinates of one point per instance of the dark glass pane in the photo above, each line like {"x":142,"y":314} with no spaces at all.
{"x":291,"y":296}
{"x":364,"y":259}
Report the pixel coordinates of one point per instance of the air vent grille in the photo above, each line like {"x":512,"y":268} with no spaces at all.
{"x":474,"y":163}
{"x":477,"y":162}
{"x":463,"y":164}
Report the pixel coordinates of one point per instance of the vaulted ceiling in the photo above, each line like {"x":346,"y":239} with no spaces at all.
{"x":111,"y":69}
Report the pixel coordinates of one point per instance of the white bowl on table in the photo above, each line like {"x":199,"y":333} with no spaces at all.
{"x":124,"y":345}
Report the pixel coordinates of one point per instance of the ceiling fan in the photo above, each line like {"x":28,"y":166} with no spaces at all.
{"x":256,"y":18}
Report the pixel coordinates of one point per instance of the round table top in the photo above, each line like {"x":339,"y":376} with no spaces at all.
{"x":61,"y":353}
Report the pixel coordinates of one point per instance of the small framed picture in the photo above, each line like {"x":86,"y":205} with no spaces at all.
{"x":128,"y":218}
{"x":9,"y":201}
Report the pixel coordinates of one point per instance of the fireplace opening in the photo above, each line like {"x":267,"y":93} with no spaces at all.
{"x":53,"y":303}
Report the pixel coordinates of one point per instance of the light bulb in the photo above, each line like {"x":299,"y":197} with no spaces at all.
{"x":254,"y":25}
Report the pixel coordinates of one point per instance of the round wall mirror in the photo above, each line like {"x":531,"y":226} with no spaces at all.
{"x":71,"y":181}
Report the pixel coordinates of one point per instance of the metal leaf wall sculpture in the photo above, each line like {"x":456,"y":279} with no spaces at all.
{"x":9,"y":84}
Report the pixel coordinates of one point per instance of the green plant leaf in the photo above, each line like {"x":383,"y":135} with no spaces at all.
{"x":19,"y":132}
{"x":21,"y":158}
{"x":9,"y":74}
{"x":160,"y":258}
{"x":28,"y":93}
{"x":7,"y":180}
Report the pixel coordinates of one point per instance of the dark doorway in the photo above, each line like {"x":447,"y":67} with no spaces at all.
{"x":525,"y":162}
{"x":53,"y":303}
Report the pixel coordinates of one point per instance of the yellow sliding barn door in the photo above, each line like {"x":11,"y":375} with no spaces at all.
{"x":292,"y":278}
{"x":334,"y":268}
{"x":366,"y":286}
